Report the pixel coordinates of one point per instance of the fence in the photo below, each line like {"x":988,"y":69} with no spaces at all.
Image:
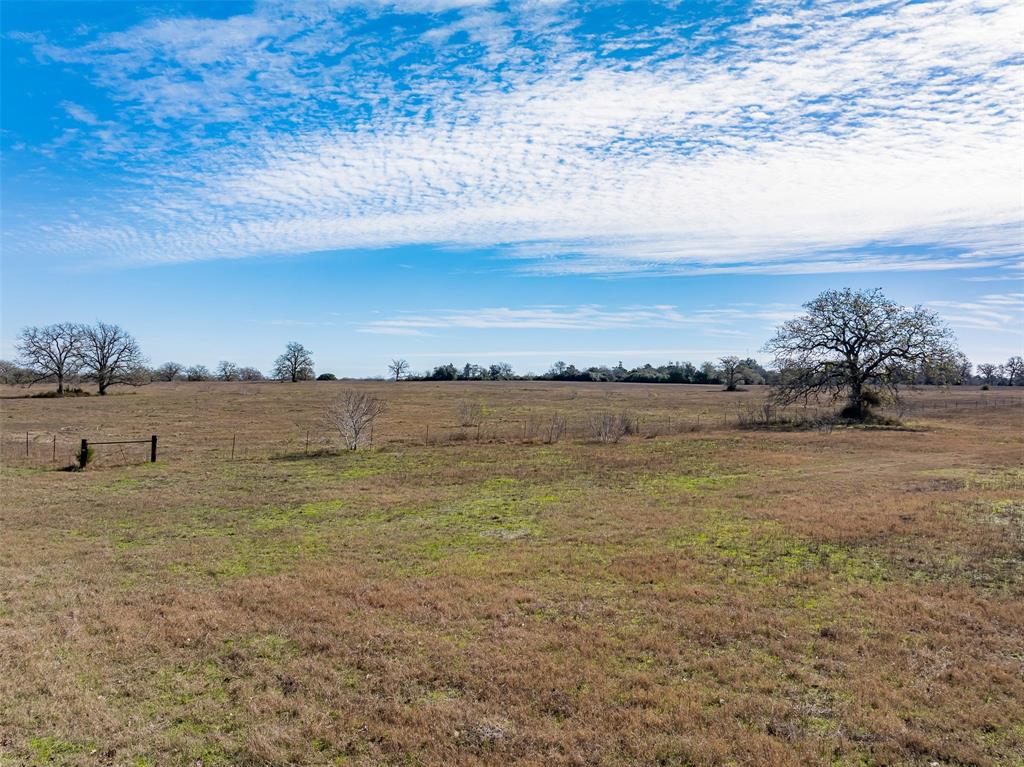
{"x":84,"y":449}
{"x":38,"y":449}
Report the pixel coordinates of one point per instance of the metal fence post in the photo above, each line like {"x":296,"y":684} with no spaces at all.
{"x":152,"y":450}
{"x":83,"y":455}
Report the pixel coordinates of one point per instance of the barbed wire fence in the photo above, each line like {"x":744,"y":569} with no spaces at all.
{"x":47,"y":449}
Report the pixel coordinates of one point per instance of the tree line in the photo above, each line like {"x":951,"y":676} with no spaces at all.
{"x":849,"y":343}
{"x":730,"y":371}
{"x":70,"y":353}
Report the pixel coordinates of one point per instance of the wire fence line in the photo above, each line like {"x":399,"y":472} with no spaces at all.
{"x":40,"y":449}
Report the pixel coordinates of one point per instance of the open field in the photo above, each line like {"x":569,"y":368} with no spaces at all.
{"x":696,"y":595}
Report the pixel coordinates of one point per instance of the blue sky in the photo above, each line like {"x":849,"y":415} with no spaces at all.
{"x":506,"y":181}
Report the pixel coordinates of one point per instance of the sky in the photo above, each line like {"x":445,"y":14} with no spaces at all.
{"x":458,"y":180}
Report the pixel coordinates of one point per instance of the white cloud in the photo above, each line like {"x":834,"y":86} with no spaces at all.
{"x":721,"y":321}
{"x":808,"y":140}
{"x":1000,"y":312}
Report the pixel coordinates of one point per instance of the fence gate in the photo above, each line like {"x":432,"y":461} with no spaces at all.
{"x":83,"y":455}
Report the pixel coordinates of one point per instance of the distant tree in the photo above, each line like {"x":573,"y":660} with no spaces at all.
{"x":296,"y":364}
{"x":963,"y":367}
{"x":12,"y":373}
{"x":471,"y":372}
{"x":851,"y":341}
{"x":445,"y":373}
{"x":227,"y":371}
{"x":730,"y":371}
{"x":398,"y":368}
{"x":1014,"y":370}
{"x":353,"y":414}
{"x":989,"y":372}
{"x":327,"y":377}
{"x":558,"y":369}
{"x":752,"y":372}
{"x":197,"y":373}
{"x":708,"y":374}
{"x":249,"y":374}
{"x":110,"y":356}
{"x":52,"y":351}
{"x":169,"y":371}
{"x":501,"y":371}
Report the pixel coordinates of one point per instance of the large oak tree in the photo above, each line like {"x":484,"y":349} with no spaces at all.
{"x":851,"y":342}
{"x":296,"y":364}
{"x":111,"y":356}
{"x":52,"y":351}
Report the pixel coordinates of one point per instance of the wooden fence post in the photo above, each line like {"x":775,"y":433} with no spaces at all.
{"x":152,"y":450}
{"x":83,"y":455}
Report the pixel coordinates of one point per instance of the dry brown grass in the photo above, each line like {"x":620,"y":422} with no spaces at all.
{"x":707,"y":596}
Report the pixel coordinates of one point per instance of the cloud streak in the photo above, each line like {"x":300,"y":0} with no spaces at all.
{"x":843,"y":137}
{"x":720,"y":321}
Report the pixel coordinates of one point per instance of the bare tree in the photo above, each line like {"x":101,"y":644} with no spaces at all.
{"x":197,"y":373}
{"x":14,"y":374}
{"x":353,"y":415}
{"x":110,"y":356}
{"x":1014,"y":370}
{"x":851,"y":341}
{"x":398,"y":368}
{"x":296,"y":364}
{"x":989,"y":372}
{"x":169,"y":371}
{"x":249,"y":374}
{"x":52,"y":351}
{"x":227,"y":371}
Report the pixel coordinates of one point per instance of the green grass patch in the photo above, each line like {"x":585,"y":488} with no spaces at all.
{"x":764,"y":550}
{"x":51,"y":750}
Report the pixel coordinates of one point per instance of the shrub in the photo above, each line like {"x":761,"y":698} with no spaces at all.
{"x":610,"y":427}
{"x":469,"y":413}
{"x":327,"y":377}
{"x":868,"y":399}
{"x":555,"y":429}
{"x":353,"y":415}
{"x":66,"y":393}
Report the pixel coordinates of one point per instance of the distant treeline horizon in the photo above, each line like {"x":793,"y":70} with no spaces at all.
{"x":69,"y":353}
{"x":728,"y":371}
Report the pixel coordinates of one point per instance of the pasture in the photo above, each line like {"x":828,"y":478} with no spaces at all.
{"x":694,"y":594}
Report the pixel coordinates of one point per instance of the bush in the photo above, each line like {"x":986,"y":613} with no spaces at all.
{"x":984,"y":387}
{"x":327,"y":377}
{"x":469,"y":413}
{"x":66,"y":393}
{"x":353,"y":414}
{"x":868,"y":399}
{"x":610,"y":427}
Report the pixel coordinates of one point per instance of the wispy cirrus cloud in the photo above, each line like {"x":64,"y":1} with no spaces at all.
{"x":714,"y":321}
{"x":999,"y":312}
{"x":794,"y":139}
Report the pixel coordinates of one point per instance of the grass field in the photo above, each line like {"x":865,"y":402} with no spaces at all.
{"x":696,"y":595}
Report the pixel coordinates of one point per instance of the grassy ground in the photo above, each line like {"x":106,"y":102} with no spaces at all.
{"x":706,"y":596}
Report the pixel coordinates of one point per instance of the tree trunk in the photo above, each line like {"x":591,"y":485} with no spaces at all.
{"x":855,"y":409}
{"x":60,"y":384}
